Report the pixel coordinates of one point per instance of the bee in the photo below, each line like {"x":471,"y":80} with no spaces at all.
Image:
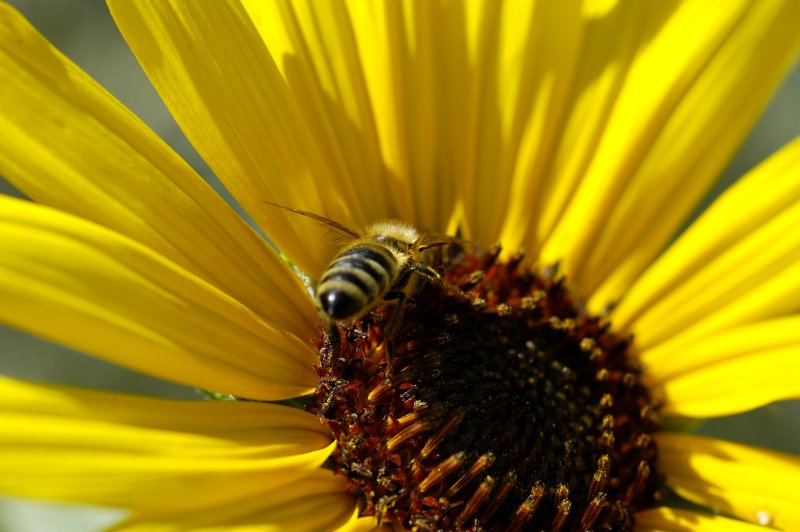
{"x":372,"y":268}
{"x":378,"y":266}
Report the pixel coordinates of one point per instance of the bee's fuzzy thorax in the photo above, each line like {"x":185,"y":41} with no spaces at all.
{"x":395,"y":230}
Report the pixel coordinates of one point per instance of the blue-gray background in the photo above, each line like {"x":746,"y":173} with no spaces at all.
{"x":84,"y":31}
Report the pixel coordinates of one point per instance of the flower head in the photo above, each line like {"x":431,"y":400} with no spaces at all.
{"x":584,"y":132}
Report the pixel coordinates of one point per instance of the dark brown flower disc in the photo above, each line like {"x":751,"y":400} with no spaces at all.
{"x":506,"y":407}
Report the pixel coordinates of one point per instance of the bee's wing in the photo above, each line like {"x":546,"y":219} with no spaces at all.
{"x":345,"y":232}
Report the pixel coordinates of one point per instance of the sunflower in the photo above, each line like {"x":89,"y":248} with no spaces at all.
{"x":527,"y":389}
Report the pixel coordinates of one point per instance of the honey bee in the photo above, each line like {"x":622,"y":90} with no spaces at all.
{"x":378,"y":266}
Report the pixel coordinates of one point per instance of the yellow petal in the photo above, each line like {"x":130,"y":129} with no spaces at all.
{"x":116,"y":450}
{"x":89,"y":288}
{"x":738,"y":263}
{"x":437,"y":98}
{"x":674,"y":359}
{"x":729,"y":371}
{"x":66,"y":142}
{"x":562,"y":75}
{"x":328,"y":70}
{"x":734,"y":385}
{"x":754,"y":484}
{"x":211,"y":67}
{"x":672,"y":520}
{"x":416,"y":74}
{"x":315,"y":502}
{"x":681,"y":105}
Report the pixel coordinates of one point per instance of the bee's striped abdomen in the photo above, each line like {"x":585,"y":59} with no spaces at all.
{"x":356,"y":279}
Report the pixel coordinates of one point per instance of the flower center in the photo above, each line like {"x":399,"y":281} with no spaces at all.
{"x":506,"y":407}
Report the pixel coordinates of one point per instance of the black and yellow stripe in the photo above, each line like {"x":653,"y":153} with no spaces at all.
{"x":357,"y":278}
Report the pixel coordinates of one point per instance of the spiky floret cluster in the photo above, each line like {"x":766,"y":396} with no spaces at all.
{"x":506,"y":408}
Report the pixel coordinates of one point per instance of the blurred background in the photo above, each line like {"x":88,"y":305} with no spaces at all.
{"x":84,"y":31}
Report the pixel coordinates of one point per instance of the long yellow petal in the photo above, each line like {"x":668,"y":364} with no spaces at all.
{"x":673,"y":520}
{"x":753,"y":484}
{"x":317,"y":49}
{"x":738,"y":263}
{"x":315,"y":502}
{"x":546,"y":81}
{"x":448,"y":105}
{"x":89,"y":288}
{"x":210,"y":65}
{"x":699,"y":77}
{"x":728,"y":371}
{"x":734,"y":385}
{"x":110,"y":449}
{"x":66,"y":142}
{"x":416,"y":87}
{"x":673,"y":359}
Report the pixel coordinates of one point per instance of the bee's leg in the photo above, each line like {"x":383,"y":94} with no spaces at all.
{"x":425,"y":271}
{"x":388,"y":330}
{"x":432,"y":275}
{"x":398,"y":293}
{"x":333,"y":343}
